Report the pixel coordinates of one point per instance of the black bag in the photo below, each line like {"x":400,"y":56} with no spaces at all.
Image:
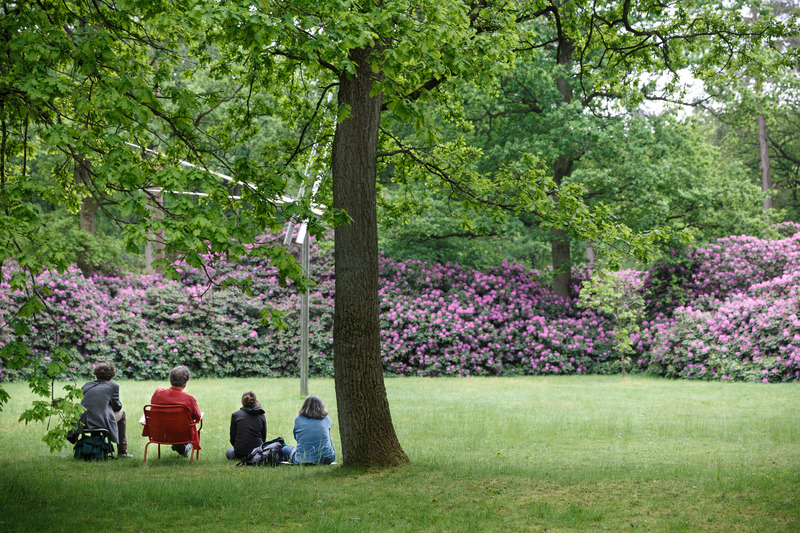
{"x":94,"y":447}
{"x":72,"y":436}
{"x":268,"y":454}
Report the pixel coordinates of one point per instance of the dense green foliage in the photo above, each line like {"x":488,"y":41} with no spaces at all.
{"x":649,"y":172}
{"x":581,"y":127}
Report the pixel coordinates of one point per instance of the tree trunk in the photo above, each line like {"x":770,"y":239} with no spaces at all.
{"x":154,"y":248}
{"x":591,"y":255}
{"x":561,"y":262}
{"x":766,"y":184}
{"x":562,"y":259}
{"x":86,"y":218}
{"x":365,"y":423}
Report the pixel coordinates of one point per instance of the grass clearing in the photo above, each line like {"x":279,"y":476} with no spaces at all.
{"x":569,"y":453}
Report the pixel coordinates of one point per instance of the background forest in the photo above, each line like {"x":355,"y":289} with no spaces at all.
{"x":721,"y":159}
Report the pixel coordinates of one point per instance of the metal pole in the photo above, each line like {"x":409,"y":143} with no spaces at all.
{"x":304,"y":322}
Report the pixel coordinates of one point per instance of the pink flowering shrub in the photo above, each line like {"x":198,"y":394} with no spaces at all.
{"x":725,"y":311}
{"x":146,"y":325}
{"x":446,"y":320}
{"x":436,"y":320}
{"x":738,"y":312}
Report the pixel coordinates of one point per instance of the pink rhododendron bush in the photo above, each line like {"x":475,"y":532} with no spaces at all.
{"x":725,"y":311}
{"x":147,"y":324}
{"x":445,"y":320}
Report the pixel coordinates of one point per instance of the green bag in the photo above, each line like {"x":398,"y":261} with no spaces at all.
{"x":93,"y":447}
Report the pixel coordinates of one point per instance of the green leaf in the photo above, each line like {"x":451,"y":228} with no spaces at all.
{"x":31,"y":307}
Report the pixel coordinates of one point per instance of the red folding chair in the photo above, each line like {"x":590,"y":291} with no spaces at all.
{"x":170,"y":424}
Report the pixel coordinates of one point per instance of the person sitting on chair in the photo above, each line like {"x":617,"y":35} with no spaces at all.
{"x":103,"y":407}
{"x":248,"y":427}
{"x":178,"y":377}
{"x":312,"y":431}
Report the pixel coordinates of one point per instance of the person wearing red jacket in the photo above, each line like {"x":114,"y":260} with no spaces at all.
{"x":175,"y":395}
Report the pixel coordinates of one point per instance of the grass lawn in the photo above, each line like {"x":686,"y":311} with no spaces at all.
{"x":571,"y":453}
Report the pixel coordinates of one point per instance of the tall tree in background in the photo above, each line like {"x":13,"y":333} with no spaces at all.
{"x":784,"y":143}
{"x":764,"y":93}
{"x":663,"y":171}
{"x":559,"y":96}
{"x":766,"y":140}
{"x":761,"y":121}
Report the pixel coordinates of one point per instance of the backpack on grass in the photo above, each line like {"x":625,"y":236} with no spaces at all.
{"x":268,"y":454}
{"x":94,"y":446}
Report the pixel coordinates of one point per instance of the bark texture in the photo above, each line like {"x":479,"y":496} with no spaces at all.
{"x":86,"y":218}
{"x":154,"y":249}
{"x":562,"y":260}
{"x":365,"y":423}
{"x":766,"y":182}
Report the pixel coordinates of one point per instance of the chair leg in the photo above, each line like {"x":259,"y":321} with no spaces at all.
{"x":145,"y":452}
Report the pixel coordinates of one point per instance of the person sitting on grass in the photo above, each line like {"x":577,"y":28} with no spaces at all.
{"x":248,"y":427}
{"x":103,"y":407}
{"x":175,"y":395}
{"x":312,"y":431}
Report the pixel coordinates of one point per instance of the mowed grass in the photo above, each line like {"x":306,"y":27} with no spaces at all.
{"x":572,"y":453}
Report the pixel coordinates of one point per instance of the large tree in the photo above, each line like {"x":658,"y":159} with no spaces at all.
{"x":388,"y":60}
{"x":657,"y":171}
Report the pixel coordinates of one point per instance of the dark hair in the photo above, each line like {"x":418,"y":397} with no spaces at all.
{"x":104,"y":371}
{"x":179,"y":375}
{"x":249,"y":399}
{"x":313,"y":408}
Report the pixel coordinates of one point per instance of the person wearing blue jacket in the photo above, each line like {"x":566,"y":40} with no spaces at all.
{"x":312,"y":431}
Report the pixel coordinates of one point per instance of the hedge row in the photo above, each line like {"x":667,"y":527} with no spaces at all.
{"x":726,"y":311}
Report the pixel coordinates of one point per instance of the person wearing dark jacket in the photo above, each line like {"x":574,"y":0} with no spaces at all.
{"x":248,"y":427}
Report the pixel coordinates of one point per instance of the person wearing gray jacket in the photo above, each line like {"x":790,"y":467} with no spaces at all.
{"x":103,"y":407}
